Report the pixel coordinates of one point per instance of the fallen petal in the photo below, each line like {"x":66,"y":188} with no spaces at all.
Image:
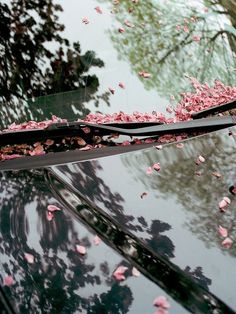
{"x":223,"y":231}
{"x":112,"y":91}
{"x":159,"y":147}
{"x":50,"y":216}
{"x":85,"y":20}
{"x":161,"y":302}
{"x":119,"y":273}
{"x":180,"y":145}
{"x":143,"y":195}
{"x":149,"y":170}
{"x":201,"y":158}
{"x":98,"y":10}
{"x":52,"y":208}
{"x":8,"y":281}
{"x":157,"y":166}
{"x":222,"y":205}
{"x":227,"y":243}
{"x":122,"y":85}
{"x":135,"y":272}
{"x":96,"y":240}
{"x":29,"y":257}
{"x":216,"y":174}
{"x":228,"y":201}
{"x":81,"y":249}
{"x":121,"y":30}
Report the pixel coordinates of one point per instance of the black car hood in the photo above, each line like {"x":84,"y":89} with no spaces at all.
{"x":170,"y":217}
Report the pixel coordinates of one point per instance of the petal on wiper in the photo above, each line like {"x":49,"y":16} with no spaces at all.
{"x":61,"y":130}
{"x":216,"y":109}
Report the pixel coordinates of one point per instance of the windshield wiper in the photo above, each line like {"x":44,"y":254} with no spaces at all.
{"x":214,"y":110}
{"x":71,"y":129}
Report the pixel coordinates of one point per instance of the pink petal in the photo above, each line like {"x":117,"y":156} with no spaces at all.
{"x":50,"y":216}
{"x":159,"y":147}
{"x":49,"y":142}
{"x":128,"y":24}
{"x":81,"y":249}
{"x":135,"y":272}
{"x":227,"y":243}
{"x":143,"y":195}
{"x":228,"y":201}
{"x":98,"y":10}
{"x":52,"y":208}
{"x":222,"y":205}
{"x":144,"y":74}
{"x":121,"y":30}
{"x":8,"y":281}
{"x":149,"y":170}
{"x":29,"y":257}
{"x":112,"y":91}
{"x":161,"y":302}
{"x":157,"y":166}
{"x":198,"y":173}
{"x":223,"y":231}
{"x":169,"y":109}
{"x":85,"y":20}
{"x":122,"y":85}
{"x":201,"y":158}
{"x":161,"y":311}
{"x":96,"y":240}
{"x":119,"y":273}
{"x":180,"y":145}
{"x":216,"y":174}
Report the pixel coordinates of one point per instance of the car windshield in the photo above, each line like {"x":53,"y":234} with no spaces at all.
{"x":69,"y":59}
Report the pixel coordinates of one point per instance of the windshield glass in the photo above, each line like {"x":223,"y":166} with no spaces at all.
{"x":69,"y":58}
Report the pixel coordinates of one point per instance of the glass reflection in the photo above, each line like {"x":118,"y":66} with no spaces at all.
{"x":171,"y":39}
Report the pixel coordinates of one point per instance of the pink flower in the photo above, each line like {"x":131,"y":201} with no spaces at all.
{"x":135,"y":272}
{"x":161,"y":302}
{"x":119,"y":273}
{"x":227,"y":243}
{"x":96,"y":240}
{"x":223,"y":231}
{"x":157,"y":166}
{"x":81,"y":249}
{"x":8,"y":281}
{"x":29,"y":257}
{"x":53,"y":208}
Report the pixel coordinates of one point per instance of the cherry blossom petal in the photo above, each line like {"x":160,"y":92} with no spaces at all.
{"x":50,"y":216}
{"x":161,"y":311}
{"x":119,"y":273}
{"x":80,"y":141}
{"x":29,"y":257}
{"x":121,"y":30}
{"x":149,"y":170}
{"x":135,"y":272}
{"x":143,"y":195}
{"x":8,"y":281}
{"x":157,"y":166}
{"x":96,"y":240}
{"x":159,"y":147}
{"x":81,"y":249}
{"x":223,"y":231}
{"x":122,"y":85}
{"x":161,"y":302}
{"x":112,"y":91}
{"x":49,"y":142}
{"x":198,"y":173}
{"x":216,"y":174}
{"x":227,"y":243}
{"x":53,"y":208}
{"x":98,"y":10}
{"x":222,"y":205}
{"x":197,"y":38}
{"x":228,"y":201}
{"x":180,"y":145}
{"x":128,"y":24}
{"x":201,"y":158}
{"x":85,"y":20}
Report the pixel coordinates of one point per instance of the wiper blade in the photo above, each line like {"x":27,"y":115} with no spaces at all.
{"x":216,"y":109}
{"x":61,"y":130}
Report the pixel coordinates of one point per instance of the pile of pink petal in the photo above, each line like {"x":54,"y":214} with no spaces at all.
{"x":203,"y":97}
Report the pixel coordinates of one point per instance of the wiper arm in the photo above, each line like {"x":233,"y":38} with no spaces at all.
{"x":70,"y":129}
{"x":216,"y":109}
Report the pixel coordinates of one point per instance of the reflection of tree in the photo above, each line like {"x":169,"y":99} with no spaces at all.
{"x":170,"y":38}
{"x":198,"y":275}
{"x":52,"y":282}
{"x":200,"y":198}
{"x":28,"y":68}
